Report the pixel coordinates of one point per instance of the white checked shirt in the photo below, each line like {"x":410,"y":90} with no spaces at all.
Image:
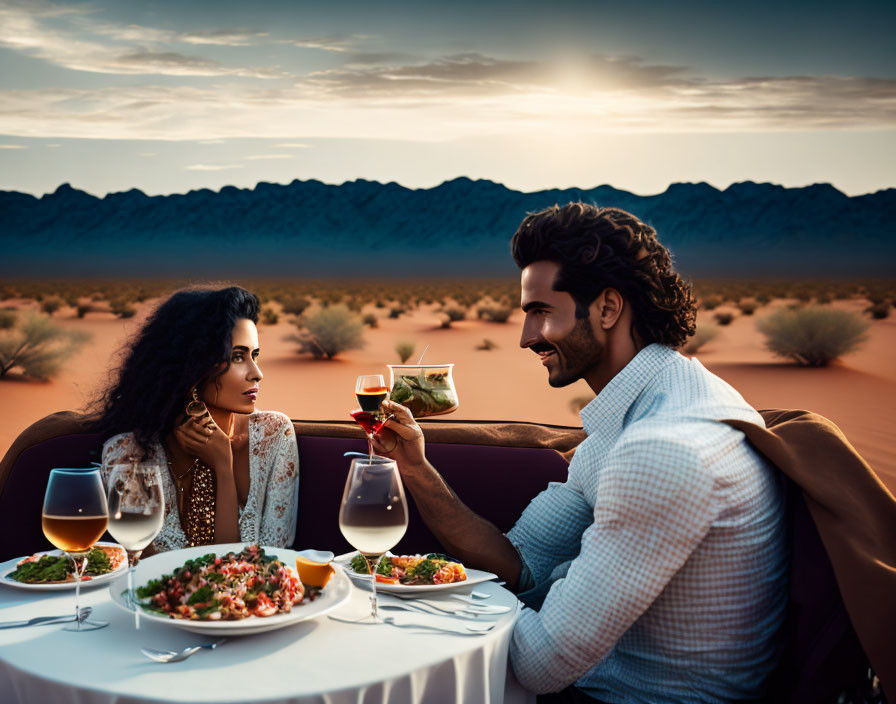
{"x":669,"y":541}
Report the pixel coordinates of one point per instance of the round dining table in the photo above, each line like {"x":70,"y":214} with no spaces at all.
{"x":319,"y":660}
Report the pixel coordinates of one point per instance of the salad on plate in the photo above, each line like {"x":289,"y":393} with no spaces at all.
{"x":227,"y":587}
{"x":57,"y":567}
{"x":413,"y":570}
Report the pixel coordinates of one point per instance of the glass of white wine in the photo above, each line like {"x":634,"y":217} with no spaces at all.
{"x":374,"y":513}
{"x":74,"y":517}
{"x":136,"y":512}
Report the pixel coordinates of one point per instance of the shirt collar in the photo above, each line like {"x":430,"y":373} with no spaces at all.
{"x":605,"y":414}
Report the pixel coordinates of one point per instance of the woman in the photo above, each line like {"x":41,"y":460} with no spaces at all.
{"x":185,"y":399}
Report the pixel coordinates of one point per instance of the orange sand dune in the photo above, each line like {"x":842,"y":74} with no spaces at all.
{"x":506,"y":383}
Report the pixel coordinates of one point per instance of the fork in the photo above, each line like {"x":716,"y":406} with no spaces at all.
{"x":83,"y":614}
{"x":468,"y":609}
{"x":461,"y":629}
{"x":473,"y":598}
{"x":467,"y":629}
{"x":174,"y":656}
{"x":416,"y":607}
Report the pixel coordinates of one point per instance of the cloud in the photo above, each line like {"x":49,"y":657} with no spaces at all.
{"x":336,"y":42}
{"x":390,"y":95}
{"x":474,"y":74}
{"x":377,"y":57}
{"x":465,"y":74}
{"x":805,"y":102}
{"x":254,"y":157}
{"x":13,"y":146}
{"x":212,"y":167}
{"x":83,"y":45}
{"x":224,"y":37}
{"x":294,"y":145}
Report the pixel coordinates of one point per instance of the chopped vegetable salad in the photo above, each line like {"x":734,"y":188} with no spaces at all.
{"x":226,"y":588}
{"x":433,"y":568}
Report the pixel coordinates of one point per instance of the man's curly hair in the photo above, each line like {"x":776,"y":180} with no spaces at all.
{"x":600,"y":248}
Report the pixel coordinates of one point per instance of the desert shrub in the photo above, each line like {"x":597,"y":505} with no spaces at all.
{"x":455,"y":314}
{"x":404,"y":349}
{"x":763,"y":299}
{"x":724,"y":318}
{"x":747,"y":307}
{"x":122,"y":308}
{"x":380,"y":304}
{"x":269,"y":315}
{"x":355,"y":304}
{"x":579,"y":402}
{"x":824,"y":298}
{"x":51,"y":304}
{"x":7,"y":319}
{"x":397,"y":311}
{"x":486,"y":345}
{"x":97,"y":296}
{"x":371,"y":321}
{"x":705,"y":332}
{"x":710,"y":302}
{"x":7,"y":292}
{"x":294,"y":305}
{"x":329,"y":331}
{"x":879,"y":311}
{"x":496,"y":314}
{"x":813,"y":336}
{"x":83,"y":309}
{"x":38,"y":347}
{"x":451,"y":315}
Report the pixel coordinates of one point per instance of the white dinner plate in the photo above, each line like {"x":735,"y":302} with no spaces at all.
{"x":338,"y":589}
{"x":473,"y":577}
{"x":9,"y":567}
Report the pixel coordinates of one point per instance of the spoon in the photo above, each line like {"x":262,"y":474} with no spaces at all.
{"x":175,"y":656}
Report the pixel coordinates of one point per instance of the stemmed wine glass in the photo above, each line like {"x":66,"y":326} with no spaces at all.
{"x":371,"y":391}
{"x":374,"y":513}
{"x":136,"y":513}
{"x":74,"y":518}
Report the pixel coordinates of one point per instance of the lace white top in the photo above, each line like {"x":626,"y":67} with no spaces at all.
{"x":269,"y":516}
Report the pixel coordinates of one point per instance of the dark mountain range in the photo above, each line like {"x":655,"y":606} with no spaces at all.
{"x":459,"y":228}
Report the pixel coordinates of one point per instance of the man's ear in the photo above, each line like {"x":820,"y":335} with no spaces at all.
{"x":607,"y":308}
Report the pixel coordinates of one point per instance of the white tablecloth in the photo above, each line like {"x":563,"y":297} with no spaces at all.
{"x":320,"y":661}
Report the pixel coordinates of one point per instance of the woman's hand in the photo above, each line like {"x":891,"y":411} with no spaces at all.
{"x":400,"y":439}
{"x":201,"y":437}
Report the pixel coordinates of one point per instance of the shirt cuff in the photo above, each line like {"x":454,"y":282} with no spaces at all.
{"x":525,"y":581}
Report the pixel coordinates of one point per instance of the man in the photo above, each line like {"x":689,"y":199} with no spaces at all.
{"x":663,"y":556}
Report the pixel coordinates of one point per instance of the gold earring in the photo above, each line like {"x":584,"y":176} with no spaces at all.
{"x":195,"y":407}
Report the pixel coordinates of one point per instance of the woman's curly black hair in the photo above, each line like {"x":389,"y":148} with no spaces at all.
{"x":600,"y":248}
{"x":186,"y":342}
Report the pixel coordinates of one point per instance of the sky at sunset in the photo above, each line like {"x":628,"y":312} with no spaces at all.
{"x":172,"y":96}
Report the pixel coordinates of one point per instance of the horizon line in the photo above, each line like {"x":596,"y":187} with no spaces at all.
{"x":442,"y":183}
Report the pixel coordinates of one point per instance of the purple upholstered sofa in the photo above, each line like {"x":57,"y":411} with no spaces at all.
{"x":495,"y":480}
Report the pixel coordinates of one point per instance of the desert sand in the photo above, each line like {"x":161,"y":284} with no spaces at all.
{"x":505,"y":383}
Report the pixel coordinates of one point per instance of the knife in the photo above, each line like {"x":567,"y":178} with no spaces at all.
{"x":46,"y":620}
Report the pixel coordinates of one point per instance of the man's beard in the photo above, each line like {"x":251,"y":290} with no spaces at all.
{"x":576,"y":354}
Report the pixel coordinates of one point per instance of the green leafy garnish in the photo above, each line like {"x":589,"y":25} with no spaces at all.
{"x":424,"y":570}
{"x":56,"y":568}
{"x":201,"y":595}
{"x":153,"y":587}
{"x":424,"y":395}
